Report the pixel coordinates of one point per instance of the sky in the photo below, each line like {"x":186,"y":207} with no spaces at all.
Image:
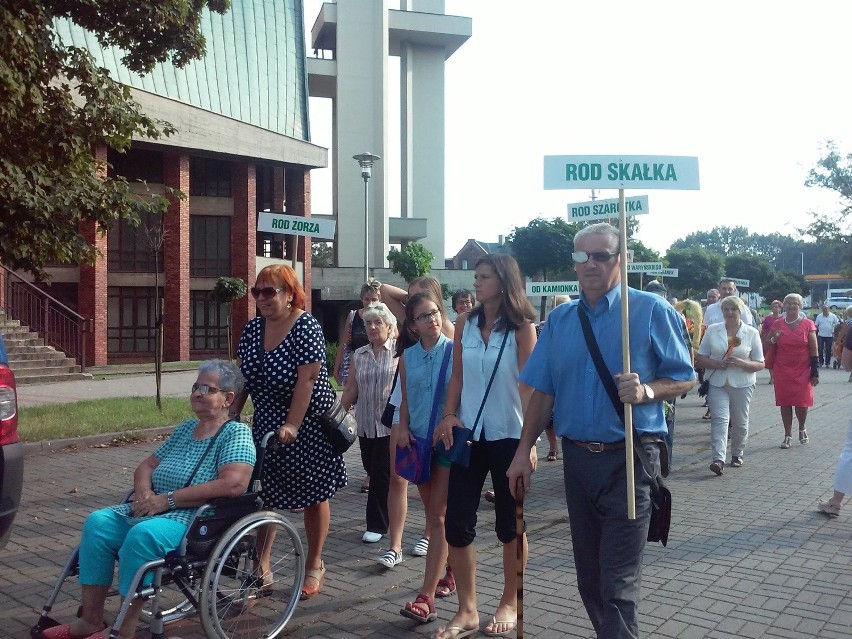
{"x":753,"y":89}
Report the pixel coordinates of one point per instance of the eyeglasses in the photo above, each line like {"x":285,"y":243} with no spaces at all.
{"x":431,"y":316}
{"x":266,"y":291}
{"x":581,"y":257}
{"x":206,"y":389}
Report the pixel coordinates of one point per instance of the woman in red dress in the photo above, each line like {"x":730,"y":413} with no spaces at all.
{"x":795,"y":367}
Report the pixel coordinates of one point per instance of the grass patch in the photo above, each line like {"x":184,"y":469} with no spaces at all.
{"x":102,"y":416}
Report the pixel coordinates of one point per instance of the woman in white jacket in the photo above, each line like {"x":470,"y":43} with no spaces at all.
{"x":731,"y":353}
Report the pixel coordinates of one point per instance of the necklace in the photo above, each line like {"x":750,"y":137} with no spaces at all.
{"x":789,"y":323}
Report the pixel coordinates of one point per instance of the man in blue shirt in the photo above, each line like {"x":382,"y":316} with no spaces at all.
{"x":608,"y":547}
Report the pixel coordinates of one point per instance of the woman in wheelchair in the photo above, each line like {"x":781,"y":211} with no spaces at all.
{"x":205,"y":458}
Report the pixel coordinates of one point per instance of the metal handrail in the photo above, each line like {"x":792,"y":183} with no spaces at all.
{"x":61,"y":327}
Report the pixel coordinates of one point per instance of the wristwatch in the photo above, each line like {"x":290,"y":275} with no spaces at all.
{"x":171,"y":500}
{"x":649,"y":392}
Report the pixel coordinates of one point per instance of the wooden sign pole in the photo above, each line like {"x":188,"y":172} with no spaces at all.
{"x":625,"y":356}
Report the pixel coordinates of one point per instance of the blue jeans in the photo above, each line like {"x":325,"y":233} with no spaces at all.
{"x":107,"y":536}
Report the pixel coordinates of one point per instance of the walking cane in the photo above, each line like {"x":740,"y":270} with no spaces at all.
{"x":519,"y":534}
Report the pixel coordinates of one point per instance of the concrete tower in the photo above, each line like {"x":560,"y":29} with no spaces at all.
{"x":361,"y":34}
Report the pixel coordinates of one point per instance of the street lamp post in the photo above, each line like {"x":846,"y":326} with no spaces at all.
{"x":803,"y":261}
{"x":366,"y":161}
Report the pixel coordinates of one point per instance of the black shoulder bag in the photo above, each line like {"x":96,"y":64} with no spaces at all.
{"x":661,"y":497}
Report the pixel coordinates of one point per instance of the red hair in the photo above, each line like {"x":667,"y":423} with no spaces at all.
{"x":283,"y":276}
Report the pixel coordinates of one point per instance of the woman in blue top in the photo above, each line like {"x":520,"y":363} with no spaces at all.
{"x":419,"y":372}
{"x":189,"y":469}
{"x":503,"y":312}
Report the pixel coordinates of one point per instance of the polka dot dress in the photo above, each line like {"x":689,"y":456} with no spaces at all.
{"x":305,"y":472}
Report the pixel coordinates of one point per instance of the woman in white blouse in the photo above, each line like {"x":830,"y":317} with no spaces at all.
{"x":731,"y":353}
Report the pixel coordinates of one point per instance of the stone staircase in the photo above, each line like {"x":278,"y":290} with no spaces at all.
{"x":31,"y":360}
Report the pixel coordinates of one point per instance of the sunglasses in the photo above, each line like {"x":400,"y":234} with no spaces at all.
{"x":581,"y":257}
{"x":266,"y":291}
{"x":206,"y":389}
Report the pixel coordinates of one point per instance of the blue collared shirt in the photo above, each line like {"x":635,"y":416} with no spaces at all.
{"x":561,"y":365}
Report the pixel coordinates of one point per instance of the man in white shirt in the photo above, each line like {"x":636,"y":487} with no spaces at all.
{"x":825,"y":322}
{"x":713,"y":312}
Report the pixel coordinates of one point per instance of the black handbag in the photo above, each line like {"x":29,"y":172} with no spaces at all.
{"x":387,"y":414}
{"x":463,"y":438}
{"x":661,"y":497}
{"x":339,"y":427}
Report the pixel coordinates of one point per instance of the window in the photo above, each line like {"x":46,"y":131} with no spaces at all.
{"x":129,"y":248}
{"x":264,"y":187}
{"x":137,"y":164}
{"x":209,"y":323}
{"x":209,"y":245}
{"x":210,"y":178}
{"x":131,"y":320}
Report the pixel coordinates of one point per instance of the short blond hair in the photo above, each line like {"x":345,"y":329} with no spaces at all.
{"x":732,"y":300}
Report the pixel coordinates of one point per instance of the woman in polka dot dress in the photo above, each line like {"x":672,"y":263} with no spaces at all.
{"x":282,"y":357}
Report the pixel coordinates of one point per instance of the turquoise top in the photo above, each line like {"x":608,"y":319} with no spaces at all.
{"x":179,"y":455}
{"x":422,"y":368}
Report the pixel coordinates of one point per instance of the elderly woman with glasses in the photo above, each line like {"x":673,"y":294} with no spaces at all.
{"x":371,"y":373}
{"x":207,"y":457}
{"x":282,"y":357}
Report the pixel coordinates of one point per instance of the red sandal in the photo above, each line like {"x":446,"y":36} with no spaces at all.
{"x":413,"y":609}
{"x":447,"y":583}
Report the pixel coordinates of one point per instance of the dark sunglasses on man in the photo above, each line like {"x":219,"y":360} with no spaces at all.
{"x":581,"y":257}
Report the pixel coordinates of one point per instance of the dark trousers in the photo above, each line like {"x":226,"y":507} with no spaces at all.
{"x":375,"y":457}
{"x":608,"y":547}
{"x":465,"y":492}
{"x":824,"y":347}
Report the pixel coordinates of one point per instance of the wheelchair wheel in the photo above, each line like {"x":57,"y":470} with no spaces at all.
{"x":235,"y":604}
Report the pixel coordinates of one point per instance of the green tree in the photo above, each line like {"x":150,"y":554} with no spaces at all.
{"x":414,"y":260}
{"x":750,"y":267}
{"x":543,"y":247}
{"x":57,"y":105}
{"x":782,"y":283}
{"x":722,"y":240}
{"x":833,"y":233}
{"x":227,"y":291}
{"x":641,"y":253}
{"x":322,"y":254}
{"x":698,"y":269}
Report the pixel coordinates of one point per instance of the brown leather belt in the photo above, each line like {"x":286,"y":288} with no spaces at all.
{"x":599,"y":447}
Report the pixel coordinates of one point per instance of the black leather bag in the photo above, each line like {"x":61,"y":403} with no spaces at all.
{"x":339,"y":428}
{"x":460,"y":451}
{"x":661,"y":512}
{"x":387,"y":414}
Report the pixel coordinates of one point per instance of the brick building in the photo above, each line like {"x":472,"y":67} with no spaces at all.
{"x":242,"y":145}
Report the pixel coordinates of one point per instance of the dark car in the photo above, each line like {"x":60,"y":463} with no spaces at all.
{"x":11,"y":449}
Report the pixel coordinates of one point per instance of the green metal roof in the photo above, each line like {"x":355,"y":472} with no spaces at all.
{"x":254,"y":69}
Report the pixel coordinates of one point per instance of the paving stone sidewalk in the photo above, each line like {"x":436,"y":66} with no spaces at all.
{"x":748,"y":555}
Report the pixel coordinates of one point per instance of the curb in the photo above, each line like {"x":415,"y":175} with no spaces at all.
{"x":89,"y":441}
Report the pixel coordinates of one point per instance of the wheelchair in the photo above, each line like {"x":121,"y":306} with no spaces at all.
{"x":213,"y":572}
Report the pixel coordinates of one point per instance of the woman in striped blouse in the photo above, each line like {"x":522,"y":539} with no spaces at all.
{"x":371,"y":372}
